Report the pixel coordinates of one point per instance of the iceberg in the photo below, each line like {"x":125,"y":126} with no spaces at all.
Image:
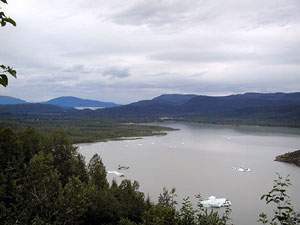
{"x":214,"y":202}
{"x":242,"y":169}
{"x":116,"y":173}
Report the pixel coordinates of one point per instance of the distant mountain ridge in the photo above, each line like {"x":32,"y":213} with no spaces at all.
{"x":279,"y":109}
{"x":174,"y":99}
{"x":65,"y":102}
{"x":72,"y":102}
{"x":201,"y":104}
{"x":205,"y":104}
{"x":33,"y":108}
{"x":7,"y":100}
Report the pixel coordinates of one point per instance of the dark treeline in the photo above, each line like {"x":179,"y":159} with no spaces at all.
{"x":44,"y":180}
{"x":83,"y":129}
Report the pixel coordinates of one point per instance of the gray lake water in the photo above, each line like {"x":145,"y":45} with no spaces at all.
{"x":199,"y":158}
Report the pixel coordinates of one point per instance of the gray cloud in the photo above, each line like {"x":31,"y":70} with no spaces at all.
{"x":202,"y":57}
{"x":161,"y":13}
{"x":116,"y":72}
{"x":111,"y":50}
{"x":277,"y":56}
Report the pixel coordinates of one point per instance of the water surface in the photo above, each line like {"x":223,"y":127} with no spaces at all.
{"x":199,"y":158}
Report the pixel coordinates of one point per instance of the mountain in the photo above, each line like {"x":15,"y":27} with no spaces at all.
{"x":33,"y":108}
{"x":205,"y":104}
{"x":10,"y":100}
{"x":180,"y":105}
{"x":279,"y":109}
{"x":72,"y":102}
{"x":173,"y":99}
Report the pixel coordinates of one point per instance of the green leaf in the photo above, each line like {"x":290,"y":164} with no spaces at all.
{"x":9,"y":20}
{"x":4,"y":1}
{"x":3,"y":80}
{"x":12,"y":72}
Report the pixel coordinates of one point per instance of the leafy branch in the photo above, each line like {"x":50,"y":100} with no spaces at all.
{"x":284,"y":213}
{"x":6,"y":69}
{"x":3,"y":76}
{"x":4,"y":19}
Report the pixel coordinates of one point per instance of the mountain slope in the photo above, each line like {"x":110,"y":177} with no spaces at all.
{"x":205,"y":104}
{"x":32,"y":108}
{"x":180,"y":105}
{"x":71,"y":102}
{"x":173,"y":99}
{"x":10,"y":100}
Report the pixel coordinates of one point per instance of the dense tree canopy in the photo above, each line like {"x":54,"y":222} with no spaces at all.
{"x":44,"y":180}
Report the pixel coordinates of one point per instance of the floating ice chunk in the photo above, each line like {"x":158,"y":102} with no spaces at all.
{"x":216,"y":202}
{"x":242,"y":169}
{"x":116,"y":173}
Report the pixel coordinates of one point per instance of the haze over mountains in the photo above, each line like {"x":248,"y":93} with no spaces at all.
{"x":66,"y":102}
{"x":11,"y":100}
{"x":272,"y":108}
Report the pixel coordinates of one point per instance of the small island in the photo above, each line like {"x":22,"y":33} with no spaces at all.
{"x":290,"y":157}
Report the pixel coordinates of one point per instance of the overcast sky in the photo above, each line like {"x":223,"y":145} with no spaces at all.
{"x":127,"y":50}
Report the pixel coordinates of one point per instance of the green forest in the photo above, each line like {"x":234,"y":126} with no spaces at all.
{"x":84,"y":129}
{"x":44,"y":180}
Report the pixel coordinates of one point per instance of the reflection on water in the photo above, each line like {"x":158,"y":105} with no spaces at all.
{"x":201,"y":159}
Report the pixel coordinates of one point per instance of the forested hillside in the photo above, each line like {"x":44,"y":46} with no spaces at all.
{"x":43,"y":180}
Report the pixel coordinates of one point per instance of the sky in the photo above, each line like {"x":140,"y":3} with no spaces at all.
{"x":125,"y":51}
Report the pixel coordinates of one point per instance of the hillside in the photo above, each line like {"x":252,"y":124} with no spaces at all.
{"x":204,"y":104}
{"x":32,"y":108}
{"x":180,"y":105}
{"x":72,"y":102}
{"x":276,"y":109}
{"x":173,"y":99}
{"x":4,"y":100}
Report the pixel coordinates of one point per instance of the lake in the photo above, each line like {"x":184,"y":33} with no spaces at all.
{"x":199,"y":158}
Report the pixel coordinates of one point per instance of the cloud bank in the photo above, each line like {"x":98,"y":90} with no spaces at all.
{"x":127,"y":51}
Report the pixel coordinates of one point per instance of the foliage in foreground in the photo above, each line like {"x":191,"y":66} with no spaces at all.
{"x":43,"y":180}
{"x":6,"y":70}
{"x":284,"y":213}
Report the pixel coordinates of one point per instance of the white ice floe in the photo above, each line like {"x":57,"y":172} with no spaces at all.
{"x":242,"y":169}
{"x":214,"y":202}
{"x":116,"y":173}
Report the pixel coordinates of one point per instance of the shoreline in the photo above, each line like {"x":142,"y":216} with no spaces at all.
{"x":290,"y":157}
